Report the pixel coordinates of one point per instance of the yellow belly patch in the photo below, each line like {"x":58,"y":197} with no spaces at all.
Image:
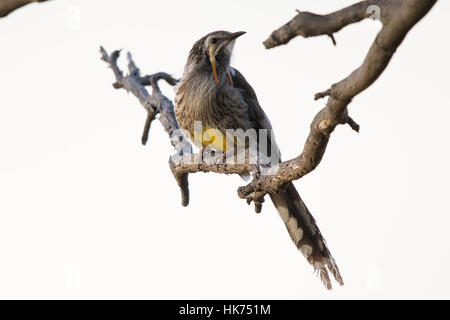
{"x":214,"y":139}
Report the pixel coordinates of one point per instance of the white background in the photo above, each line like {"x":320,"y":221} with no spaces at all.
{"x":87,"y":212}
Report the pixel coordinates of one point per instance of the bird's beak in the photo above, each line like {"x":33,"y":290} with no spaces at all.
{"x":237,"y":34}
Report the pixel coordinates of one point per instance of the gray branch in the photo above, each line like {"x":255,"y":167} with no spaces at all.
{"x":154,"y":104}
{"x":158,"y":104}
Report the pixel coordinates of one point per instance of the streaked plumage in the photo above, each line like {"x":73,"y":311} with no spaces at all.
{"x":209,"y":96}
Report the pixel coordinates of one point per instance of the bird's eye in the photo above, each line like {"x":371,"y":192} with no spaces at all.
{"x":214,"y":40}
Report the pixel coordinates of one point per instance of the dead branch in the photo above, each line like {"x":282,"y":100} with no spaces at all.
{"x":7,"y":6}
{"x":307,"y":24}
{"x":398,"y":17}
{"x":182,"y":163}
{"x":154,"y":104}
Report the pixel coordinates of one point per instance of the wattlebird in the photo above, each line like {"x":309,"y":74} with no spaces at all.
{"x":217,"y":95}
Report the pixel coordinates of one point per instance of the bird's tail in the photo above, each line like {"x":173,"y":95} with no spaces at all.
{"x":305,"y":233}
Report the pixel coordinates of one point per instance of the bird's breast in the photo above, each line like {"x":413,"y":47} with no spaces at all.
{"x":215,"y":107}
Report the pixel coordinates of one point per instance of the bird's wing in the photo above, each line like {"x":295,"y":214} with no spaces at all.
{"x":256,"y":114}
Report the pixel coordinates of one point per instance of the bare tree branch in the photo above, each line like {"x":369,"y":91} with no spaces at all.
{"x":154,"y":104}
{"x":307,"y":24}
{"x":398,"y":17}
{"x":158,"y":104}
{"x":7,"y":6}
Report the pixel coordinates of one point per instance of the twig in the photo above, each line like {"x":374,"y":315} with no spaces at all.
{"x":148,"y":122}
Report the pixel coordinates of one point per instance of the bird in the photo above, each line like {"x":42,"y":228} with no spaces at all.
{"x":216,"y":94}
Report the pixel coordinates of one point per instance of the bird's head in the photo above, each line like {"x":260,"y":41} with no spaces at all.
{"x":215,"y":49}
